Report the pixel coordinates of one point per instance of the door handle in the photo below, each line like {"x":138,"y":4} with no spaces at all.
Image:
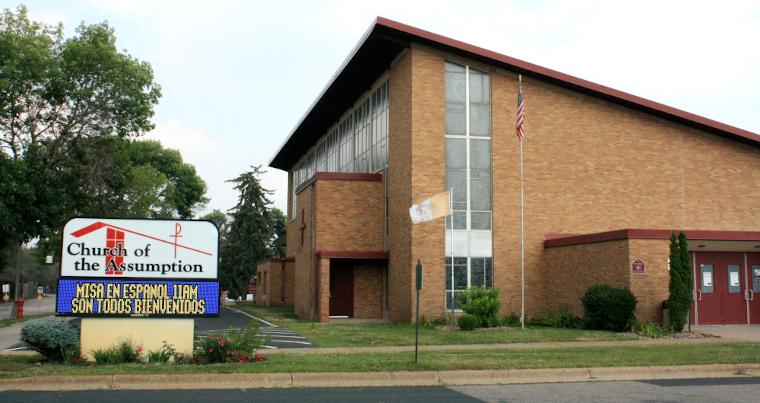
{"x":700,"y":295}
{"x":694,"y":295}
{"x":751,"y":295}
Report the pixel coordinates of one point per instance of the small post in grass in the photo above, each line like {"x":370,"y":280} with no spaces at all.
{"x":419,"y":287}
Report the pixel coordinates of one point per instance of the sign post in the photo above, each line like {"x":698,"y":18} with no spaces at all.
{"x":145,"y":279}
{"x":6,"y":290}
{"x":417,"y":330}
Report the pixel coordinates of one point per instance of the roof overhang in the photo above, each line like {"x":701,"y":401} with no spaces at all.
{"x":698,"y":241}
{"x":385,"y":39}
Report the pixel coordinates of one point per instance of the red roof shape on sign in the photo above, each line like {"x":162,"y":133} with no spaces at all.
{"x":98,"y":225}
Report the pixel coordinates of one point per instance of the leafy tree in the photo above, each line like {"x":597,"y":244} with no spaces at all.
{"x":218,"y":218}
{"x":114,"y":177}
{"x":679,"y":286}
{"x":280,"y":229}
{"x":55,"y":95}
{"x":251,"y":232}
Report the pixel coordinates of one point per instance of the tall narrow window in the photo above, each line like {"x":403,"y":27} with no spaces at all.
{"x":468,"y":174}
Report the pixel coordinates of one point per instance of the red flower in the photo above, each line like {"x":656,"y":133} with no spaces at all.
{"x":211,"y":350}
{"x":258,"y":357}
{"x":139,"y":349}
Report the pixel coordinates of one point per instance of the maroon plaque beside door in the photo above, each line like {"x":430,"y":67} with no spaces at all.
{"x":637,"y":266}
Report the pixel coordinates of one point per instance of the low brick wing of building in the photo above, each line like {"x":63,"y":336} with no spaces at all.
{"x":607,"y":177}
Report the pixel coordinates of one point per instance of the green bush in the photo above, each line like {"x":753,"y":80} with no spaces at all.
{"x":50,"y":337}
{"x":235,"y":346}
{"x":468,"y":322}
{"x":433,"y":322}
{"x":123,"y":351}
{"x":562,"y":319}
{"x":163,"y":354}
{"x":608,"y":308}
{"x":679,"y":301}
{"x":483,"y":303}
{"x":650,"y":330}
{"x":511,"y":320}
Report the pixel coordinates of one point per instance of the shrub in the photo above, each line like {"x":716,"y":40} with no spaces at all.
{"x":650,"y":330}
{"x":483,"y":303}
{"x":163,"y":354}
{"x":235,"y":346}
{"x":511,"y":320}
{"x":680,"y":283}
{"x":433,"y":322}
{"x":562,"y":319}
{"x":608,"y":308}
{"x":49,"y":337}
{"x":123,"y":351}
{"x":72,"y":355}
{"x":468,"y":322}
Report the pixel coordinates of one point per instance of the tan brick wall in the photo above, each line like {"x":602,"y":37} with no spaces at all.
{"x":290,"y":267}
{"x":269,"y":284}
{"x":593,"y":167}
{"x":651,"y":287}
{"x":416,"y":142}
{"x":350,"y":215}
{"x":323,"y":291}
{"x":399,"y":188}
{"x":303,"y":254}
{"x":572,"y":269}
{"x":368,"y":289}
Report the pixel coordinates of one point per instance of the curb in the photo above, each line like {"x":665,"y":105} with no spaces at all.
{"x":369,"y":379}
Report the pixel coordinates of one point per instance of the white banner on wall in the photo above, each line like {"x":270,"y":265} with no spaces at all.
{"x":120,"y":248}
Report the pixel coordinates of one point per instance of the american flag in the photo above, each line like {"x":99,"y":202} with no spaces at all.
{"x":520,"y":115}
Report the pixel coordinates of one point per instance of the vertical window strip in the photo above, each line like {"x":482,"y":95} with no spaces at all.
{"x":468,"y":171}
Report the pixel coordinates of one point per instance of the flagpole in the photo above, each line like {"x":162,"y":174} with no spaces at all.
{"x":522,"y":232}
{"x":451,"y":214}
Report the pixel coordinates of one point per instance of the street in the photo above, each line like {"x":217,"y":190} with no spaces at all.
{"x":735,"y":389}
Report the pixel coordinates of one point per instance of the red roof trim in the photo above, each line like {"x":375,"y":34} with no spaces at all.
{"x":331,"y":254}
{"x":556,"y":240}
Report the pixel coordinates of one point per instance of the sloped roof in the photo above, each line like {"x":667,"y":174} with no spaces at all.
{"x":385,"y":39}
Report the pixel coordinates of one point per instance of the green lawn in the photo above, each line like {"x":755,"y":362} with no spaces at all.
{"x":575,"y":357}
{"x":373,"y":335}
{"x":360,"y":335}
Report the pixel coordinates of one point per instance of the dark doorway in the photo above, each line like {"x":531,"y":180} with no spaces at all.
{"x":341,"y":288}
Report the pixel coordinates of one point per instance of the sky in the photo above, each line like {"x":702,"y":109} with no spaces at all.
{"x":237,"y":76}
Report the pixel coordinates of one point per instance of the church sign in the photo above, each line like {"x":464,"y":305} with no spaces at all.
{"x":139,"y":268}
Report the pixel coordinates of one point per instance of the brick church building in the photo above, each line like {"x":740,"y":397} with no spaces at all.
{"x":607,"y":176}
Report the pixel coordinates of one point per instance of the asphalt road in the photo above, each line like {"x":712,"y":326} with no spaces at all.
{"x":735,"y":389}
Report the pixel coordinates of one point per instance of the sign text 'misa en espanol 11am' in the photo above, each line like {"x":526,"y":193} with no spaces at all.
{"x":147,"y":249}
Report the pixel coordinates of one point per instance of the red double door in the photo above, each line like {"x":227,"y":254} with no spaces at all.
{"x":724,"y":288}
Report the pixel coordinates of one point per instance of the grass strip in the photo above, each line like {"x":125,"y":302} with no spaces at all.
{"x":380,"y":335}
{"x":494,"y":359}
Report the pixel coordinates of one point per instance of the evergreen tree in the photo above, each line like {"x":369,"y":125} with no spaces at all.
{"x":250,"y":233}
{"x":680,"y":282}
